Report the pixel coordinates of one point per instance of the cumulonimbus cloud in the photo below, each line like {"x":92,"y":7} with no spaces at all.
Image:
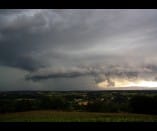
{"x":41,"y":42}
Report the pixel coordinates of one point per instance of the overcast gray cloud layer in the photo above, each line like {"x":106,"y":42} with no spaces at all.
{"x":64,"y":46}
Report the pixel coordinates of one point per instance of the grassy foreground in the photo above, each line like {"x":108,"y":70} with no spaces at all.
{"x":60,"y":116}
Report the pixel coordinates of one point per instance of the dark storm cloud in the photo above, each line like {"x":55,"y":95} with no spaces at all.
{"x":106,"y":43}
{"x":26,"y":34}
{"x":21,"y":62}
{"x":67,"y":34}
{"x":17,"y":45}
{"x":55,"y":75}
{"x":45,"y":74}
{"x":99,"y":73}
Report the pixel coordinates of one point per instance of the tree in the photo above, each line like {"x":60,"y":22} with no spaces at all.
{"x":143,"y":104}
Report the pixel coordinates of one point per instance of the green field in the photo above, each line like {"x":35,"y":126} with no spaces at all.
{"x":60,"y":116}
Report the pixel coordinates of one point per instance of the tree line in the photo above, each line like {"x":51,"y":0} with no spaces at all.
{"x":145,"y":104}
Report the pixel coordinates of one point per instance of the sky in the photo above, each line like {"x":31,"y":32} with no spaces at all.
{"x":78,"y":49}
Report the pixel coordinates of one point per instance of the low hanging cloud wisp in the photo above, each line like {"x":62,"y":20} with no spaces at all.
{"x":103,"y":77}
